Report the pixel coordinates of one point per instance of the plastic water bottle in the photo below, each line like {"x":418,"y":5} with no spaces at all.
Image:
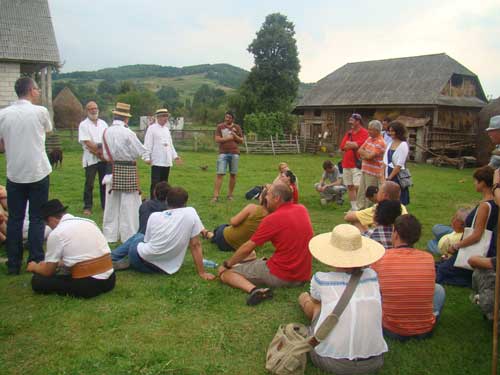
{"x":209,"y":263}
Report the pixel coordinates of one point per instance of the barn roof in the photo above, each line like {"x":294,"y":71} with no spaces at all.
{"x":403,"y":81}
{"x":26,"y":32}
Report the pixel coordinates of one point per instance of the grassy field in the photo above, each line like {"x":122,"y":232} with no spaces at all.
{"x":153,"y":324}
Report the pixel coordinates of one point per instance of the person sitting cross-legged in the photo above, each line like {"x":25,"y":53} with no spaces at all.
{"x":356,"y":345}
{"x":289,"y":228}
{"x":363,"y":219}
{"x":79,"y":245}
{"x":411,"y":301}
{"x":385,"y":214}
{"x":168,"y":235}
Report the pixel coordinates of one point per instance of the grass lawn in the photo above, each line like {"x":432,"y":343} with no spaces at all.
{"x":153,"y":324}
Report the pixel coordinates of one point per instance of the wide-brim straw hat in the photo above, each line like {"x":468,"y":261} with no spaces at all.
{"x":345,"y":247}
{"x":122,"y":109}
{"x":161,"y":111}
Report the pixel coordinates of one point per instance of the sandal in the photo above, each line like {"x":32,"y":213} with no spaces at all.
{"x":215,"y":199}
{"x":229,"y":197}
{"x":257,"y":295}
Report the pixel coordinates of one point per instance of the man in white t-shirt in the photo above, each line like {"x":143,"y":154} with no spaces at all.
{"x":80,"y":246}
{"x":158,"y":141}
{"x":22,"y":136}
{"x":168,"y":235}
{"x":90,"y":133}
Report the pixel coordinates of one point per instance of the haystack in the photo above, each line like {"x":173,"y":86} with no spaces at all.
{"x":484,"y":145}
{"x":68,"y":111}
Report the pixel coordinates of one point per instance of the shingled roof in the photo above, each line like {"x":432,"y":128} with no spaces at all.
{"x":26,"y":32}
{"x":403,"y":81}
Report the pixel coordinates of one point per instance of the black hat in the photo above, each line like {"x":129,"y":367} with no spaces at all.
{"x":51,"y":208}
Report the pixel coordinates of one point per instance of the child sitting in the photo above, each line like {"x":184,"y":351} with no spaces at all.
{"x":330,"y":186}
{"x":282,"y":168}
{"x":371,"y":194}
{"x":446,"y":236}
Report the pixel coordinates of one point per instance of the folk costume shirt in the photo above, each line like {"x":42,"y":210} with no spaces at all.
{"x":22,"y":127}
{"x":289,"y":229}
{"x":123,"y":143}
{"x":348,"y":161}
{"x":158,"y":142}
{"x":76,"y":240}
{"x":167,"y":237}
{"x":90,"y":131}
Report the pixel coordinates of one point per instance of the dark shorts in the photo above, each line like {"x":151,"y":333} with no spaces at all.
{"x":219,"y":239}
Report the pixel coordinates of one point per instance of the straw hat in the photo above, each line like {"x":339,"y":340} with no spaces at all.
{"x":345,"y":247}
{"x":161,"y":111}
{"x":122,"y":109}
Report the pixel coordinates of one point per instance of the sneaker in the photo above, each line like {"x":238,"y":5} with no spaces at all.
{"x":121,"y":264}
{"x":323,"y":201}
{"x":258,"y":295}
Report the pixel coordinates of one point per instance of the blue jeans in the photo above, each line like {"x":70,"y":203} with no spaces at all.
{"x":129,"y":248}
{"x":438,"y":230}
{"x":18,"y":195}
{"x":437,"y":303}
{"x":227,"y":159}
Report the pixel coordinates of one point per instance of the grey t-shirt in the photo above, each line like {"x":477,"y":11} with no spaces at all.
{"x":332,"y":176}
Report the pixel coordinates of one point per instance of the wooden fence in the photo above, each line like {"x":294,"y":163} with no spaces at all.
{"x":272,"y":146}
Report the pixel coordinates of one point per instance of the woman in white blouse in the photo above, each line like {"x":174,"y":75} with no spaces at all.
{"x":395,"y":157}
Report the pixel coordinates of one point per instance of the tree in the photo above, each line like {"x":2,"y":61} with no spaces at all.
{"x":273,"y":82}
{"x":143,"y":103}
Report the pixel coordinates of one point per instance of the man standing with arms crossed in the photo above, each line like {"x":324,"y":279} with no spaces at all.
{"x":228,"y":135}
{"x":28,"y":170}
{"x":161,"y":149}
{"x":351,"y":163}
{"x":90,"y":137}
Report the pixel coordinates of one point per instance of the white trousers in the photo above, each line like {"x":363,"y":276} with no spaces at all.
{"x":121,"y":215}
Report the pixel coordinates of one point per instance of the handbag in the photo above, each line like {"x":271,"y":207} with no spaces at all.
{"x":287,"y":352}
{"x":254,"y":192}
{"x":479,"y":248}
{"x":404,"y":177}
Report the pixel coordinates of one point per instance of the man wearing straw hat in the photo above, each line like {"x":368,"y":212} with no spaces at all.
{"x":158,"y":142}
{"x":81,"y":247}
{"x":122,"y":147}
{"x":356,"y":344}
{"x":411,"y":300}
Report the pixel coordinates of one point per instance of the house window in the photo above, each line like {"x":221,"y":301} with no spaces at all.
{"x":456,"y":80}
{"x":317,"y":113}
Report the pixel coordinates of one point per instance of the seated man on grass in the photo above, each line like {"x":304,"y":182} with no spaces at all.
{"x":289,"y":229}
{"x":168,"y":234}
{"x":79,"y":245}
{"x":363,"y":219}
{"x":411,"y":300}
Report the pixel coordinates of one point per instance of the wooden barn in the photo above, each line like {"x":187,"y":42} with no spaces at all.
{"x":436,"y":97}
{"x":27,"y":47}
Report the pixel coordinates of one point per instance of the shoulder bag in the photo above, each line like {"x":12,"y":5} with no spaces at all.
{"x":479,"y":248}
{"x":404,"y":177}
{"x":287,"y":353}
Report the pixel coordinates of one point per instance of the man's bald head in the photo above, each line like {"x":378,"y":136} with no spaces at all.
{"x":389,"y":190}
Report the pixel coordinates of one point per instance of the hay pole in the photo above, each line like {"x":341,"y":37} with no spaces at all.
{"x":494,"y":358}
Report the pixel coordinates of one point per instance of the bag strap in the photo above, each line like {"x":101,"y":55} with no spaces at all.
{"x":475,"y":215}
{"x":332,"y":319}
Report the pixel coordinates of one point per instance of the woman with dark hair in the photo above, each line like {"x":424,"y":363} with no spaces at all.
{"x":483,"y":216}
{"x":229,"y":237}
{"x":386,"y":213}
{"x":290,"y":179}
{"x":395,"y":157}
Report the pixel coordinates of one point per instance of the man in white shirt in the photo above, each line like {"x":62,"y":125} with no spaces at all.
{"x":22,"y":136}
{"x":161,"y":149}
{"x":123,"y":199}
{"x":90,"y":137}
{"x":80,"y":246}
{"x":168,"y":234}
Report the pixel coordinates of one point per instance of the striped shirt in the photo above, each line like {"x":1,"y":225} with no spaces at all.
{"x":377,"y":146}
{"x":406,"y":278}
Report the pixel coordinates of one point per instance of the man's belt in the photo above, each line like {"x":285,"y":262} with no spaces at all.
{"x":92,"y":267}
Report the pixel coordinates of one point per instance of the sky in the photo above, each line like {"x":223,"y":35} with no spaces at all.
{"x":108,"y":33}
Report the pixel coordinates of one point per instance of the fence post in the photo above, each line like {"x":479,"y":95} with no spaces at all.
{"x":246,"y":145}
{"x":297,"y":144}
{"x":272,"y":146}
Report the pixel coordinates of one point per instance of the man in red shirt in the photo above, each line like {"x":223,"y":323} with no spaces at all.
{"x":411,"y":300}
{"x":351,"y":162}
{"x":289,"y":229}
{"x":228,"y":135}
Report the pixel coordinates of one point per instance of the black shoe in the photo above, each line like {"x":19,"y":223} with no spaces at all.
{"x":258,"y":295}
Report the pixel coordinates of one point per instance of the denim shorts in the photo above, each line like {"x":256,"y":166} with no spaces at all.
{"x":227,"y":159}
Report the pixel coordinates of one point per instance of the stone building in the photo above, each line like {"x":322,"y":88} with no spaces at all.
{"x":27,"y":47}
